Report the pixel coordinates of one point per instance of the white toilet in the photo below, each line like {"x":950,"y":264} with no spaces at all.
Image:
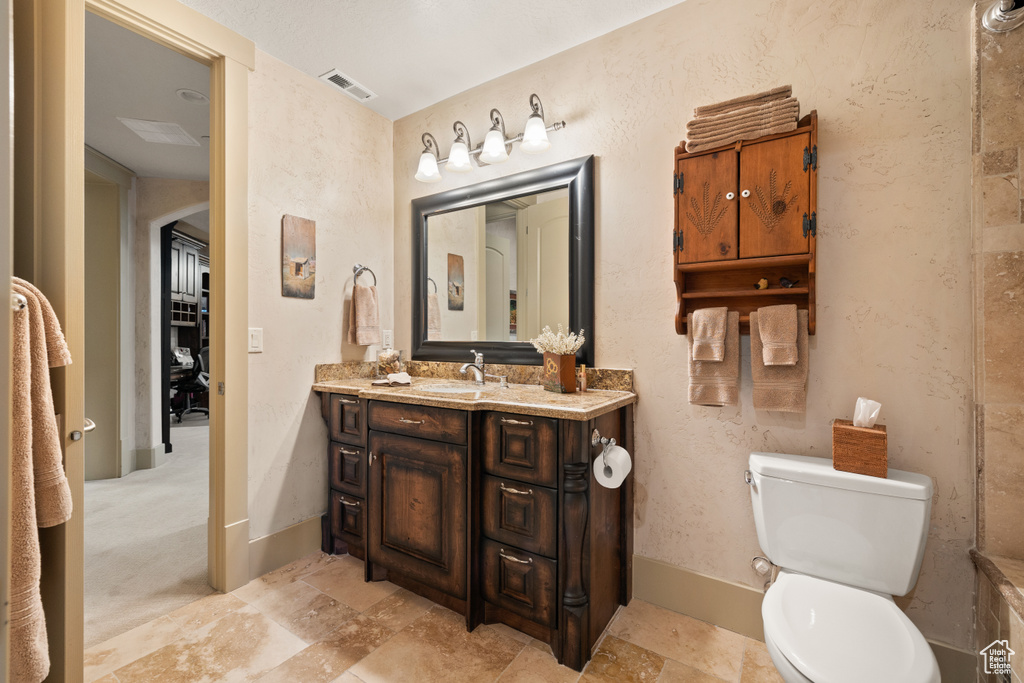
{"x":845,"y":544}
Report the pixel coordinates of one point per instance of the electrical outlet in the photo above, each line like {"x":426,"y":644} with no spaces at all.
{"x":474,"y":336}
{"x":388,"y":338}
{"x":255,"y":340}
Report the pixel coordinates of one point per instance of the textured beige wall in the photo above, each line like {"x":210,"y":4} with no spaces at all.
{"x":320,"y":155}
{"x":999,"y":287}
{"x":892,"y":86}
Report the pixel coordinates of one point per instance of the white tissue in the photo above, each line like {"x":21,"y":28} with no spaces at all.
{"x":866,"y":412}
{"x":619,"y":463}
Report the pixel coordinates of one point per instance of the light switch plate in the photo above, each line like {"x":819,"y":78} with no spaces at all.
{"x":388,"y":337}
{"x":255,"y":340}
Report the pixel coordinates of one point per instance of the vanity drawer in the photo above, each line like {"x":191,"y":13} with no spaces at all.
{"x":348,"y":518}
{"x":521,"y":447}
{"x":520,"y":582}
{"x":347,"y":468}
{"x":424,"y":422}
{"x":346,"y":419}
{"x":520,"y":515}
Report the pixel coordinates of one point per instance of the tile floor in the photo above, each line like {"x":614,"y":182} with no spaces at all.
{"x":316,"y":620}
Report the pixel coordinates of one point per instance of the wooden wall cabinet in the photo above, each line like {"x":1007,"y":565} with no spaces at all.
{"x":494,"y":515}
{"x":745,"y":212}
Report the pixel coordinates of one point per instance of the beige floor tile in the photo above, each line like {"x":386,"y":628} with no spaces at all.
{"x":325,"y":659}
{"x":533,"y":666}
{"x":242,"y":645}
{"x":399,"y":609}
{"x":506,"y":630}
{"x":289,"y":573}
{"x":437,"y":647}
{"x":541,"y":645}
{"x":695,"y":643}
{"x":622,"y":661}
{"x":343,"y":581}
{"x":197,"y":614}
{"x":757,"y":664}
{"x":674,"y":672}
{"x":111,"y":655}
{"x":347,"y":677}
{"x":109,"y":678}
{"x":304,"y":610}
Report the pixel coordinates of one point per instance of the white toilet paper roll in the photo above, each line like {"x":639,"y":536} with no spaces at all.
{"x":618,"y":462}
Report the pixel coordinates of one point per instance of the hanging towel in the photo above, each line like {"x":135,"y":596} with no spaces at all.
{"x":779,"y":93}
{"x":717,"y":383}
{"x":789,"y":107}
{"x":777,"y":326}
{"x":779,"y":387}
{"x":709,"y":334}
{"x":364,"y":317}
{"x":51,"y":490}
{"x":56,"y":347}
{"x":433,"y":317}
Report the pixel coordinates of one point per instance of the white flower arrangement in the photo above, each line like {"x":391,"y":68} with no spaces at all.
{"x":562,"y":344}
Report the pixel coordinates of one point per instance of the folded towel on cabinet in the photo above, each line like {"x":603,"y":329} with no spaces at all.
{"x":709,"y":334}
{"x":751,"y":132}
{"x":364,"y":316}
{"x":777,"y":326}
{"x":780,"y":388}
{"x":716,"y":383}
{"x":766,"y":113}
{"x":779,"y":93}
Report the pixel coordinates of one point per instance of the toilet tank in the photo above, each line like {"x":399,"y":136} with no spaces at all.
{"x":863,"y":531}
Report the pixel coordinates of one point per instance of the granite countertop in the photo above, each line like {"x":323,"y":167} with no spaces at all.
{"x":524,"y":399}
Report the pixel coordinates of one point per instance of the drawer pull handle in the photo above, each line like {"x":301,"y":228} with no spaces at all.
{"x":371,"y":457}
{"x":410,"y":422}
{"x":350,"y":504}
{"x":348,"y":401}
{"x":345,"y":451}
{"x":509,"y":421}
{"x":516,"y":491}
{"x":528,"y":560}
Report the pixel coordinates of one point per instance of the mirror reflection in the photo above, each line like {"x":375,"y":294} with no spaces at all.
{"x":499,"y":271}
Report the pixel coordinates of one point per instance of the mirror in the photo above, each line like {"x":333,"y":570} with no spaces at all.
{"x":493,"y":263}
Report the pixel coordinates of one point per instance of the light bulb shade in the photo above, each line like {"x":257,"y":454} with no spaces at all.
{"x":494,"y":151}
{"x":458,"y":158}
{"x":535,"y":137}
{"x":427,"y":171}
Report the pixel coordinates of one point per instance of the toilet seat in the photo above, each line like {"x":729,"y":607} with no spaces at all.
{"x":833,"y":633}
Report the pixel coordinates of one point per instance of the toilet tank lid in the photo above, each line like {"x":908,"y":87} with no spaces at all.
{"x":819,"y":471}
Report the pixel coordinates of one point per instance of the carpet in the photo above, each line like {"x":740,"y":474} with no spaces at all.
{"x":145,"y":538}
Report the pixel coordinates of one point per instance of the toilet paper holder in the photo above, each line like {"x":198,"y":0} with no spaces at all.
{"x":605,"y":443}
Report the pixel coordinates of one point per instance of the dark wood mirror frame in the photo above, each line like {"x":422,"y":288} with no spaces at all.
{"x":578,"y":176}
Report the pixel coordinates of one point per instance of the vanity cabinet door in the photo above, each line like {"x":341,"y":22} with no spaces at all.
{"x":521,"y":447}
{"x":521,"y":515}
{"x":347,"y":468}
{"x":346,"y":419}
{"x":774,"y":196}
{"x":348,"y":518}
{"x":417,"y":523}
{"x":520,"y":582}
{"x":706,"y":207}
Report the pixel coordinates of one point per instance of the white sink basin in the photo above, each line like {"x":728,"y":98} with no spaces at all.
{"x":452,"y":388}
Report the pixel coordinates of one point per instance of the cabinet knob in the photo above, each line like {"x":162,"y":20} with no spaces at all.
{"x":745,"y":194}
{"x":730,"y":195}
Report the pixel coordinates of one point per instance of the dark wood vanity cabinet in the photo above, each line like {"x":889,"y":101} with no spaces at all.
{"x":495,"y":515}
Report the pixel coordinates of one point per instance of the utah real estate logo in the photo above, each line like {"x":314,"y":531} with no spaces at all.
{"x":997,"y":657}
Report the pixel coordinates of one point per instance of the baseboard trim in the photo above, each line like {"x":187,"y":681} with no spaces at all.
{"x":730,"y":605}
{"x":737,"y":608}
{"x":281,"y":547}
{"x":148,"y":458}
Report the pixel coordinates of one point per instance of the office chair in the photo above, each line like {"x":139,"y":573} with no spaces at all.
{"x":196,"y":383}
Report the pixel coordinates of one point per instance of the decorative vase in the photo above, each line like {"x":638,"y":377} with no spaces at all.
{"x":559,"y":373}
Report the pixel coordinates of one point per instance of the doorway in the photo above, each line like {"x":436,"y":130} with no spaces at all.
{"x":147,"y":125}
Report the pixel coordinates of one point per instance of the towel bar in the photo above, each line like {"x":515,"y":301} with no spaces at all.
{"x":431,"y":281}
{"x":358,"y":269}
{"x":18,"y":301}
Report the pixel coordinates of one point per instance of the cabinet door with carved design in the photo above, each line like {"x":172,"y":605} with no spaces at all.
{"x":774,"y":194}
{"x":706,"y":208}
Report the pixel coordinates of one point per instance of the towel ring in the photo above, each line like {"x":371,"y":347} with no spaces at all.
{"x":357,"y":270}
{"x":431,"y":281}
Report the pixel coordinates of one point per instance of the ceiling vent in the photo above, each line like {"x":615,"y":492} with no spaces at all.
{"x":347,"y":86}
{"x":160,"y":131}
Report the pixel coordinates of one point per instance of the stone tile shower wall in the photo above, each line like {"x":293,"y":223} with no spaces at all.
{"x":999,"y":288}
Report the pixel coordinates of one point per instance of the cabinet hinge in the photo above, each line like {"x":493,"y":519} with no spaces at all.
{"x":677,"y":241}
{"x":677,"y":183}
{"x":811,"y":158}
{"x":811,"y":224}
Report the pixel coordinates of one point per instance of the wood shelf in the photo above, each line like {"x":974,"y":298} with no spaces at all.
{"x":744,"y":264}
{"x":723,"y":293}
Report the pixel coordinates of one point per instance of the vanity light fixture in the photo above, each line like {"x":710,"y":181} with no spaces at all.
{"x":495,"y":148}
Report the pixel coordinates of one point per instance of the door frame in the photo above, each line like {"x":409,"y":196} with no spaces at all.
{"x":50,"y":42}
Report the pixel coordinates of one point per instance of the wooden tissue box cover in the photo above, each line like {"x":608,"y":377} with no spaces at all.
{"x":862,"y":450}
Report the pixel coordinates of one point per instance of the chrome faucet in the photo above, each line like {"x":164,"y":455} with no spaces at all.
{"x":477,"y":366}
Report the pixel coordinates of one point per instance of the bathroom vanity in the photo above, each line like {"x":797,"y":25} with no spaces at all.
{"x":485,"y":501}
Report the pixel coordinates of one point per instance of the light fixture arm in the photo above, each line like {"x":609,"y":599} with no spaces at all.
{"x":536,"y":106}
{"x":499,"y":122}
{"x":462,"y":134}
{"x":430,"y":145}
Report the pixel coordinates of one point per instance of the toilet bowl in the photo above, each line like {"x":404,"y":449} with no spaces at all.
{"x":845,"y":543}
